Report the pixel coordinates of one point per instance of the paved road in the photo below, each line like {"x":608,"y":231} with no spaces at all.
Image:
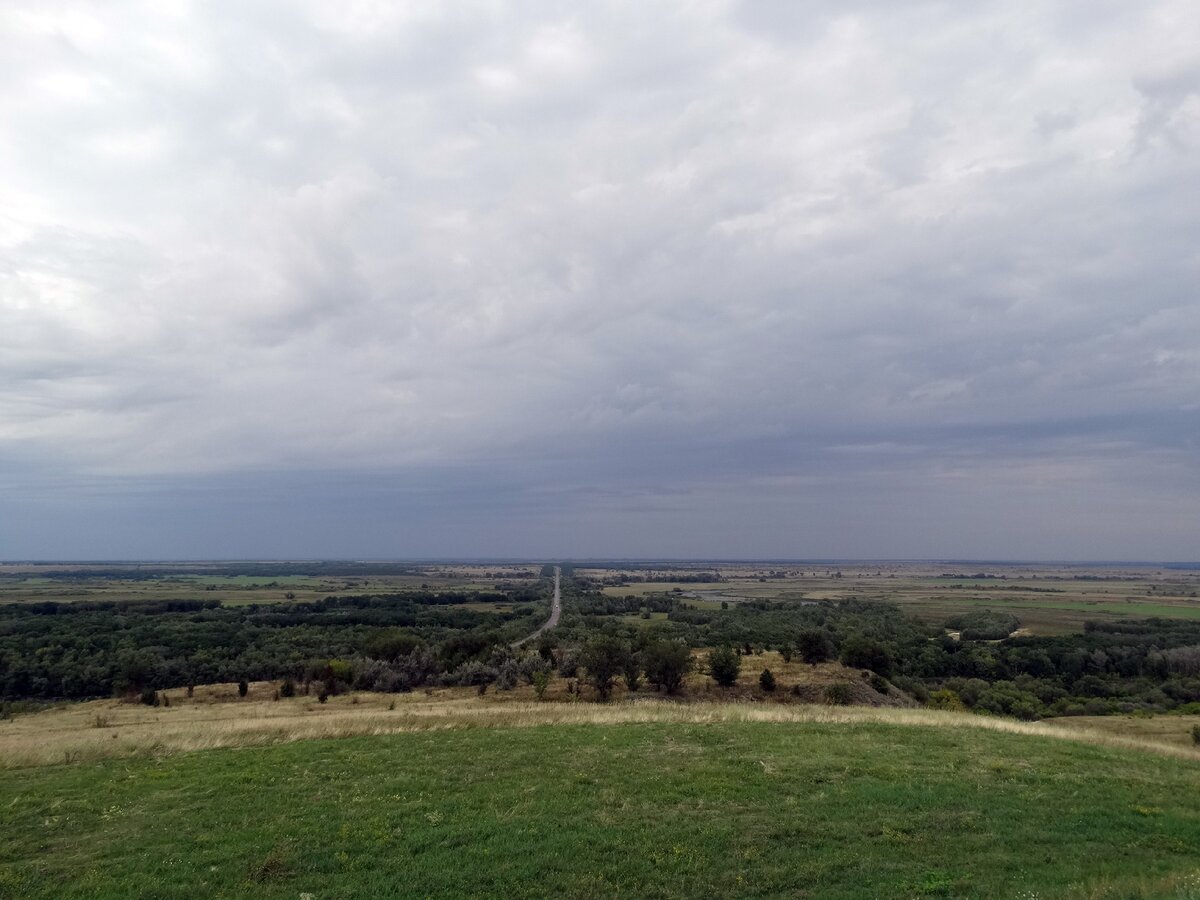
{"x":555,"y":612}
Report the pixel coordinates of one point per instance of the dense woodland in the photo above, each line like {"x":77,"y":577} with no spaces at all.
{"x":401,"y":641}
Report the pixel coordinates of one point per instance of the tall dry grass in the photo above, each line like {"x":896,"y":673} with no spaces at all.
{"x":106,"y":729}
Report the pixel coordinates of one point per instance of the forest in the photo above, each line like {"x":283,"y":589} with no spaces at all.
{"x":403,"y":640}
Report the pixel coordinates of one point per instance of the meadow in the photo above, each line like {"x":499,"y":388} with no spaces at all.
{"x":466,"y":797}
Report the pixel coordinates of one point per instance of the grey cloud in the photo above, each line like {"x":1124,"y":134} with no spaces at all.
{"x":601,"y":262}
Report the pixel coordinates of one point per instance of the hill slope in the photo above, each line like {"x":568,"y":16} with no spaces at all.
{"x":635,"y":809}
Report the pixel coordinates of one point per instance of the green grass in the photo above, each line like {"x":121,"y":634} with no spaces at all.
{"x":647,"y":810}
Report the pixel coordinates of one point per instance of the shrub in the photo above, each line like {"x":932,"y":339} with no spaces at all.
{"x":472,"y":673}
{"x":867,"y":653}
{"x":288,"y":688}
{"x":667,"y":663}
{"x":633,"y":672}
{"x":323,"y":696}
{"x":984,"y":625}
{"x":149,"y":697}
{"x":568,"y":665}
{"x":724,"y":665}
{"x":839,"y":694}
{"x":880,"y":684}
{"x":1196,"y":734}
{"x":814,"y":646}
{"x":912,"y":687}
{"x":604,"y":659}
{"x":785,"y":652}
{"x":946,"y":699}
{"x":243,"y":688}
{"x":541,"y":679}
{"x":766,"y":681}
{"x":509,"y":675}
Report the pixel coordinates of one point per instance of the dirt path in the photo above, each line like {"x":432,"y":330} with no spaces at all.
{"x":555,"y":612}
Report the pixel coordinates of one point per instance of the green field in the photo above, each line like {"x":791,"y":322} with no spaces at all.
{"x":641,"y":810}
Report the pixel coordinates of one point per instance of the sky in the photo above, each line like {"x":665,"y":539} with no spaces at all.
{"x":769,"y":279}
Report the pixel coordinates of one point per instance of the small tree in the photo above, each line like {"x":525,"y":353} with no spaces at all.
{"x":541,"y":679}
{"x":243,"y":688}
{"x":724,"y":665}
{"x":604,"y":659}
{"x":867,"y":653}
{"x":288,"y":688}
{"x":815,"y":646}
{"x":667,"y":662}
{"x":633,"y":672}
{"x":766,"y":680}
{"x":785,"y":652}
{"x":1196,"y":734}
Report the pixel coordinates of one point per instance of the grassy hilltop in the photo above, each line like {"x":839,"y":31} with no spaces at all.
{"x":645,"y":799}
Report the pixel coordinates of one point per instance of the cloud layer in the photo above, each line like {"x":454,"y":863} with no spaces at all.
{"x":768,"y":279}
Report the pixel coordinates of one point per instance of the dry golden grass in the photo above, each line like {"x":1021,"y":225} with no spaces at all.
{"x":216,"y":718}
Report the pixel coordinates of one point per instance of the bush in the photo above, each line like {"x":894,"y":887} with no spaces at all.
{"x":946,"y":699}
{"x":604,"y":659}
{"x":633,"y":672}
{"x":1196,"y":734}
{"x":568,"y":665}
{"x":880,"y":684}
{"x":724,"y":665}
{"x":509,"y":675}
{"x":815,"y":646}
{"x":867,"y":653}
{"x":288,"y":688}
{"x":149,"y":697}
{"x":472,"y":674}
{"x":243,"y":688}
{"x":839,"y":694}
{"x":912,"y":687}
{"x":766,"y":681}
{"x":984,"y":625}
{"x":323,"y":696}
{"x":667,"y":663}
{"x":541,"y":679}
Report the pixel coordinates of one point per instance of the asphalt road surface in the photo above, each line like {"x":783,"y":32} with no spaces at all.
{"x":555,"y":612}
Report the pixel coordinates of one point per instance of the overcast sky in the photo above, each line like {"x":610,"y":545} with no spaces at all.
{"x":688,"y":279}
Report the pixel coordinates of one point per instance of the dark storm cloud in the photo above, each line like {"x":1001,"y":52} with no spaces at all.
{"x":805,"y":279}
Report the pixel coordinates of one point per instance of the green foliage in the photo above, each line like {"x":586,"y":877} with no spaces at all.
{"x":243,"y":688}
{"x":93,"y":649}
{"x":666,"y":664}
{"x":946,"y":699}
{"x":541,"y":680}
{"x":839,"y":694}
{"x":1196,"y":734}
{"x":724,"y":665}
{"x":766,"y":680}
{"x":288,"y":688}
{"x":632,"y":671}
{"x":984,"y":625}
{"x":604,"y":659}
{"x":814,"y":645}
{"x":861,"y":652}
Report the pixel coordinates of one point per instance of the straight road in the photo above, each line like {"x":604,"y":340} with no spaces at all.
{"x":555,"y":612}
